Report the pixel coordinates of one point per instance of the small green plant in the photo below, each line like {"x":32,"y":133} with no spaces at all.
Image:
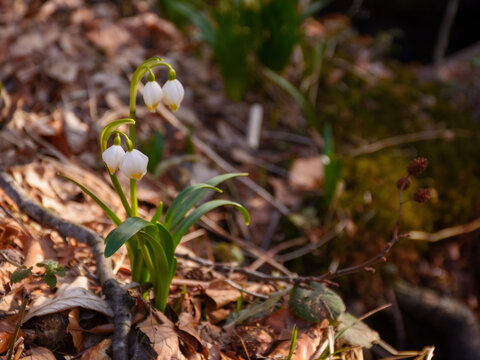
{"x":52,"y":270}
{"x":151,"y":243}
{"x":293,"y":341}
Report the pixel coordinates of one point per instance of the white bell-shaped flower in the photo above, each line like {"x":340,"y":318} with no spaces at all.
{"x":173,"y":94}
{"x":152,"y":95}
{"x":134,"y":164}
{"x":113,"y":157}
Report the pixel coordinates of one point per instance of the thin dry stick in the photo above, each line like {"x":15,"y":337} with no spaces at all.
{"x":251,"y":248}
{"x":447,"y":134}
{"x":118,"y":297}
{"x":242,"y":289}
{"x":310,"y":247}
{"x":445,"y":233}
{"x":26,"y":297}
{"x":444,"y":32}
{"x":380,"y":257}
{"x":276,"y":249}
{"x":217,"y":159}
{"x":254,"y":275}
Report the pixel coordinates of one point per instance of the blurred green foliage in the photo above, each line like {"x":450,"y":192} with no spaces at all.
{"x":244,"y":33}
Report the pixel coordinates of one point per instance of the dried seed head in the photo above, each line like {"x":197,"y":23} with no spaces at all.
{"x":417,"y":166}
{"x":403,"y":183}
{"x":422,"y":195}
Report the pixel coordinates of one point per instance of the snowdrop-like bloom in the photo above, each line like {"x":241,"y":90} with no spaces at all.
{"x":113,"y":157}
{"x":134,"y":164}
{"x":152,"y":95}
{"x":173,"y":94}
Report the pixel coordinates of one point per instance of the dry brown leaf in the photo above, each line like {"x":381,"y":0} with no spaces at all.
{"x":38,"y":249}
{"x":222,"y":297}
{"x":308,"y":341}
{"x":75,"y":329}
{"x":39,"y":353}
{"x":7,"y":327}
{"x":307,"y":173}
{"x":98,"y":352}
{"x":76,"y":131}
{"x":109,"y":38}
{"x":187,"y":324}
{"x":163,"y":337}
{"x":68,"y":296}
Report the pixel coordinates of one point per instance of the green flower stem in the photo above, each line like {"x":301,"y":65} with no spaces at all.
{"x":140,"y":262}
{"x":133,"y":197}
{"x":136,"y":78}
{"x":128,"y":142}
{"x":121,"y":194}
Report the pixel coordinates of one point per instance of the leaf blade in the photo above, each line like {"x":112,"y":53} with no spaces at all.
{"x":119,"y":236}
{"x":202,"y":210}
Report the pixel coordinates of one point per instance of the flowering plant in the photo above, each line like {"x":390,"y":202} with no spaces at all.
{"x":151,"y":244}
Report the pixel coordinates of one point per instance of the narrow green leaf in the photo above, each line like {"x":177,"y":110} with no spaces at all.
{"x":293,"y":341}
{"x":294,"y":93}
{"x":110,"y":213}
{"x":111,"y":127}
{"x":122,"y":233}
{"x":183,"y":205}
{"x":202,"y":210}
{"x":20,"y":274}
{"x":174,"y":210}
{"x":157,"y":216}
{"x":161,"y":280}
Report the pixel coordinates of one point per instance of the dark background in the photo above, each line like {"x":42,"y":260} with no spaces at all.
{"x":418,"y":20}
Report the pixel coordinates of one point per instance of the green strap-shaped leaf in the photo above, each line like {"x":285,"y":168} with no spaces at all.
{"x":122,"y":233}
{"x":202,"y":210}
{"x":110,"y":213}
{"x":180,"y":208}
{"x":110,"y":128}
{"x":160,"y":269}
{"x":157,"y":216}
{"x":174,"y":210}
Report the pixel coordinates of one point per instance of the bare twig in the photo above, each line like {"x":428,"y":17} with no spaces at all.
{"x":312,"y":246}
{"x":380,"y":257}
{"x":251,"y":248}
{"x":26,"y":297}
{"x":118,"y":297}
{"x":447,"y":134}
{"x":228,"y":268}
{"x":241,"y":288}
{"x":444,"y":32}
{"x":445,"y":233}
{"x":217,"y":159}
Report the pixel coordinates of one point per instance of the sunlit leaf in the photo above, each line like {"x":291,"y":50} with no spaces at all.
{"x":122,"y":233}
{"x":189,"y":197}
{"x":20,"y":274}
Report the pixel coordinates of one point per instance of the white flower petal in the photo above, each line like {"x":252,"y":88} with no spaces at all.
{"x":152,"y":95}
{"x":173,"y":93}
{"x":113,"y":157}
{"x":134,"y":164}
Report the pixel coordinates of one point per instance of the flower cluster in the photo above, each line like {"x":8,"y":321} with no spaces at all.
{"x":131,"y":163}
{"x":171,"y":94}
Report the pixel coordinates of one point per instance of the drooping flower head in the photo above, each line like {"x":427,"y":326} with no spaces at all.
{"x":173,"y":93}
{"x":113,"y":157}
{"x":152,"y":95}
{"x":134,"y":164}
